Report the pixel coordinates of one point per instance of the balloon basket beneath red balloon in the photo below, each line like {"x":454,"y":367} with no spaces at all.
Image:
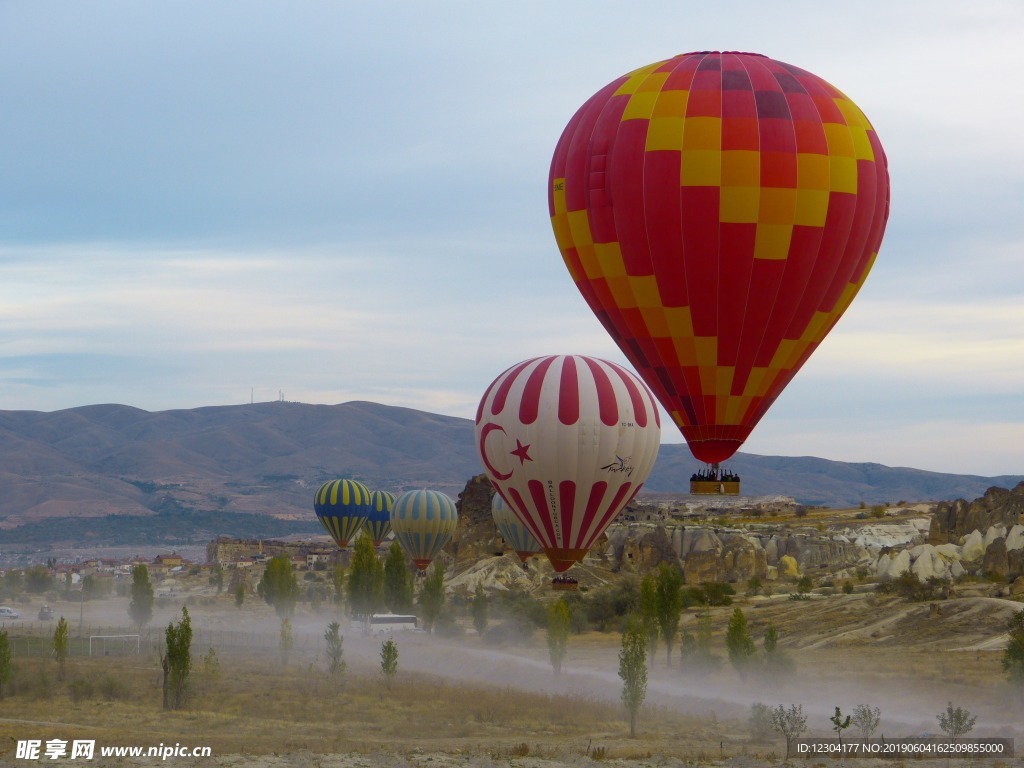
{"x":715,"y":487}
{"x":564,"y":584}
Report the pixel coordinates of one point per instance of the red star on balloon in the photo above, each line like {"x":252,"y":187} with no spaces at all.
{"x":522,"y":451}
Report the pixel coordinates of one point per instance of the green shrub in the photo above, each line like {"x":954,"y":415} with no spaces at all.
{"x":113,"y":689}
{"x":81,"y":689}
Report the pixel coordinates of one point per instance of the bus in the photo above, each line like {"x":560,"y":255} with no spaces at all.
{"x":391,"y":622}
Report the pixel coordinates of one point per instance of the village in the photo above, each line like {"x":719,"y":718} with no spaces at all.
{"x":230,"y":564}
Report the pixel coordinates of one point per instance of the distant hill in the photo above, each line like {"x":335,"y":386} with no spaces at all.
{"x":113,"y":474}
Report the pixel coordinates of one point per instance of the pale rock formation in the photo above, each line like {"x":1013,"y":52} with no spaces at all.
{"x":880,"y":535}
{"x":994,"y":532}
{"x":928,"y":564}
{"x":972,"y":547}
{"x":893,"y":565}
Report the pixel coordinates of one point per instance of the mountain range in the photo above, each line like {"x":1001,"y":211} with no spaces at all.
{"x":114,"y":473}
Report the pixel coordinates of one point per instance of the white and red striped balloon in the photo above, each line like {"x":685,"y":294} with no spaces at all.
{"x":567,"y":441}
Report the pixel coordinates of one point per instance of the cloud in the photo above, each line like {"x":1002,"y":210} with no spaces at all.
{"x":348,"y":202}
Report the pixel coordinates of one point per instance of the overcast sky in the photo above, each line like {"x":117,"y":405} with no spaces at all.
{"x":207,"y":202}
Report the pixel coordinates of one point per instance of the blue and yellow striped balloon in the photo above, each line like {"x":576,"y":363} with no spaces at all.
{"x":423,"y":522}
{"x":378,"y":523}
{"x":342,"y":506}
{"x":511,"y":528}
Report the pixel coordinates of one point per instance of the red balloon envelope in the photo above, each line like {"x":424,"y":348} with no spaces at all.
{"x":718,"y":212}
{"x":567,"y":441}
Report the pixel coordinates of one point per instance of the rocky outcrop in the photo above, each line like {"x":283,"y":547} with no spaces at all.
{"x":998,"y":506}
{"x":972,"y":546}
{"x":647,"y":551}
{"x":743,"y":558}
{"x":892,"y":565}
{"x":639,"y":543}
{"x":995,"y":560}
{"x":475,"y":535}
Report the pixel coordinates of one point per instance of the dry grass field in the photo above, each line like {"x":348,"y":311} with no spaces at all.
{"x":457,"y":701}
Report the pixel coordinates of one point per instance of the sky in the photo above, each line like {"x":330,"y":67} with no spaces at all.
{"x":209,"y":203}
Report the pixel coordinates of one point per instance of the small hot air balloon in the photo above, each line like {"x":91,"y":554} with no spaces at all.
{"x":378,"y":521}
{"x":342,"y":507}
{"x":718,"y":212}
{"x":567,"y":441}
{"x":423,"y":522}
{"x":516,"y":534}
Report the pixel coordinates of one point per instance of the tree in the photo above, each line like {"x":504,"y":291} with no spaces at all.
{"x":389,"y":662}
{"x":314,"y":597}
{"x":397,"y":581}
{"x":287,"y":640}
{"x":140,"y":609}
{"x":804,"y":585}
{"x":558,"y":634}
{"x":1013,"y":654}
{"x":217,"y":578}
{"x":754,"y":585}
{"x":695,"y":648}
{"x":335,"y":650}
{"x":739,"y":643}
{"x":955,"y":722}
{"x":239,"y":594}
{"x":94,"y":587}
{"x":38,"y":579}
{"x":13,"y":582}
{"x":6,"y":666}
{"x":777,"y":663}
{"x":760,"y":721}
{"x":338,"y":580}
{"x":633,"y":671}
{"x":432,"y":595}
{"x":279,"y":587}
{"x":60,"y":646}
{"x":790,"y":723}
{"x":479,"y":609}
{"x":669,"y":602}
{"x":365,"y":579}
{"x":839,"y":724}
{"x":866,"y":720}
{"x":177,"y":661}
{"x":649,"y":613}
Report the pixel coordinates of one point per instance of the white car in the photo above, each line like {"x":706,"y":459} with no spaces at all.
{"x":7,"y":613}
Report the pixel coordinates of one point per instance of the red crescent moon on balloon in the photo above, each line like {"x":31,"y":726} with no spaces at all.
{"x":484,"y":432}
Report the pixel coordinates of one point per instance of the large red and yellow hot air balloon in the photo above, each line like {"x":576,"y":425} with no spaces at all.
{"x":567,"y":441}
{"x":718,"y":212}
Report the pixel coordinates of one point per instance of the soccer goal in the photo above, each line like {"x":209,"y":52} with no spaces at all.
{"x":113,"y":645}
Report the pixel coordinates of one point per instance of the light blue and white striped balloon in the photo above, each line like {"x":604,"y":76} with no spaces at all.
{"x":511,"y":528}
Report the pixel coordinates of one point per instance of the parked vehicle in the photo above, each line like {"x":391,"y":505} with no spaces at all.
{"x":45,"y":613}
{"x":8,"y":613}
{"x":381,"y":623}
